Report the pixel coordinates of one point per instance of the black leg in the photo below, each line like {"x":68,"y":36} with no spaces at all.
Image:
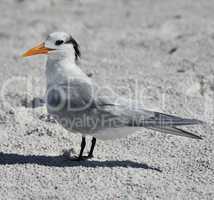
{"x":83,"y":143}
{"x":80,"y":156}
{"x":93,"y":142}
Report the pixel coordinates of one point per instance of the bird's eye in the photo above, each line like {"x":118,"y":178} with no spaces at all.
{"x":59,"y":42}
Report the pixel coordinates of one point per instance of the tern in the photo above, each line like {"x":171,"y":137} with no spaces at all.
{"x":80,"y":105}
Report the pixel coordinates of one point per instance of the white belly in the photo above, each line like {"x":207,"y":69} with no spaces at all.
{"x":113,"y":133}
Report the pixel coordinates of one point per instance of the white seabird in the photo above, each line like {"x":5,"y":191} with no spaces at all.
{"x":77,"y":103}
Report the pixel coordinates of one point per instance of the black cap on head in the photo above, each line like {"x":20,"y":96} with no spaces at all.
{"x":75,"y":45}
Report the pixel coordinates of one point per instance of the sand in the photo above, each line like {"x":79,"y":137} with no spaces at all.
{"x":159,"y":52}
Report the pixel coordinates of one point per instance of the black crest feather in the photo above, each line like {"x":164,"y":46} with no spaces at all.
{"x":76,"y":47}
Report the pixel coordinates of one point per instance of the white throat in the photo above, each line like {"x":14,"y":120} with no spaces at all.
{"x":61,"y":68}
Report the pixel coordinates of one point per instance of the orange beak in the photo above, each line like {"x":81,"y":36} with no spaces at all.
{"x":39,"y":49}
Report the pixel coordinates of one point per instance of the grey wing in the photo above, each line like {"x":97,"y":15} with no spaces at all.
{"x":147,"y":118}
{"x":133,"y":115}
{"x":81,"y":96}
{"x":74,"y":95}
{"x":164,"y":123}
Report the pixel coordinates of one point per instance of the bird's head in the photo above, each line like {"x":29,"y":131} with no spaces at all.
{"x":57,"y":44}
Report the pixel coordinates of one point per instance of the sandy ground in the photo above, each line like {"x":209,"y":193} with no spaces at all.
{"x":160,"y":52}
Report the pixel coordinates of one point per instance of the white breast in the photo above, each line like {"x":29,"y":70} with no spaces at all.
{"x":61,"y":71}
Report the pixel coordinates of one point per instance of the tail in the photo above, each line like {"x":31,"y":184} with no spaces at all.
{"x":175,"y":131}
{"x":165,"y":123}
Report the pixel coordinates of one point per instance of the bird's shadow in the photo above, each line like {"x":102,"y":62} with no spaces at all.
{"x":61,"y":161}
